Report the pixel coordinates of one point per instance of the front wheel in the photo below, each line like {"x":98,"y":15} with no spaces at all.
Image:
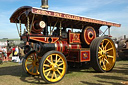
{"x":53,"y":66}
{"x":103,"y":54}
{"x":30,"y":63}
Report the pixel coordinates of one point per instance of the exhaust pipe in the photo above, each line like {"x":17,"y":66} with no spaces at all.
{"x":44,"y":4}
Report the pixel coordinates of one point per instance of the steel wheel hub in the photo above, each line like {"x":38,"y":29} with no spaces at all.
{"x":54,"y":67}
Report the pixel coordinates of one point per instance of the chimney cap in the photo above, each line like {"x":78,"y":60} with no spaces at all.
{"x":44,"y":4}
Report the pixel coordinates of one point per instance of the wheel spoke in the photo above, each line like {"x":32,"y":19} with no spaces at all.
{"x":51,"y":59}
{"x":100,"y":48}
{"x":104,"y":65}
{"x":60,"y":68}
{"x":29,"y":64}
{"x":53,"y":74}
{"x":48,"y":70}
{"x":106,"y":45}
{"x":46,"y":65}
{"x":100,"y":52}
{"x":48,"y":73}
{"x":56,"y":59}
{"x":102,"y":42}
{"x":58,"y":72}
{"x":109,"y":56}
{"x":100,"y":57}
{"x":61,"y":64}
{"x":109,"y":49}
{"x":107,"y":61}
{"x":101,"y":61}
{"x":30,"y":68}
{"x":36,"y":69}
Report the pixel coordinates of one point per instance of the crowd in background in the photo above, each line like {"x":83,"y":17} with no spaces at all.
{"x":11,"y":52}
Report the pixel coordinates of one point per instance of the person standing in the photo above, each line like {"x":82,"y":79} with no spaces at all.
{"x":21,"y":54}
{"x":16,"y":51}
{"x":13,"y":50}
{"x":4,"y":52}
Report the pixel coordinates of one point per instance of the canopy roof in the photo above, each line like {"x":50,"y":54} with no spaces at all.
{"x":52,"y":16}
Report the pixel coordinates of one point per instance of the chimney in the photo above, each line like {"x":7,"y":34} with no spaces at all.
{"x":44,"y":4}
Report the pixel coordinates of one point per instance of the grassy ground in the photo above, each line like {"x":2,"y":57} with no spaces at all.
{"x":12,"y":74}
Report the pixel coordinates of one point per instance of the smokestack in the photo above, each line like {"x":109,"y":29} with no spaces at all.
{"x":44,"y":4}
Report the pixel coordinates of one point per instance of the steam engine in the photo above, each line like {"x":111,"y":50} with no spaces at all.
{"x":68,"y":43}
{"x":51,"y":41}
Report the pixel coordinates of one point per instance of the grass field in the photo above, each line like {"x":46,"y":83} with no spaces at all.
{"x":12,"y":74}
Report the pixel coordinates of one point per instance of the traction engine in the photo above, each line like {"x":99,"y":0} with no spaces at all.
{"x":52,"y":42}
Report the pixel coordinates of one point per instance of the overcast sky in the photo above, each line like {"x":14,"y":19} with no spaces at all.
{"x":108,"y":10}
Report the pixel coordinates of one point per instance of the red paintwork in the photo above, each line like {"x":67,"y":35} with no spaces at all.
{"x":77,"y":55}
{"x":63,"y":45}
{"x":86,"y":36}
{"x":85,"y":55}
{"x":44,"y":39}
{"x":74,"y":38}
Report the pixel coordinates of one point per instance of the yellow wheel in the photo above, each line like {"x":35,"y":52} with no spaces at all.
{"x":53,"y":66}
{"x":31,"y":63}
{"x":103,"y":54}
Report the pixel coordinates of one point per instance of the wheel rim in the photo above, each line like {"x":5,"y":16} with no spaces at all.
{"x":107,"y":54}
{"x":32,"y":64}
{"x":54,"y":67}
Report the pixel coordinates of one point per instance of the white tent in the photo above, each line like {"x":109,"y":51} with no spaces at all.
{"x":2,"y":44}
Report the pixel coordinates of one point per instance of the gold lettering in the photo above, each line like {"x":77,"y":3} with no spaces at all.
{"x":37,"y":11}
{"x":57,"y":14}
{"x":43,"y":12}
{"x":83,"y":19}
{"x":48,"y":13}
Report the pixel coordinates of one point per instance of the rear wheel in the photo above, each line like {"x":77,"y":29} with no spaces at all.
{"x":53,"y":66}
{"x":31,"y":63}
{"x":103,"y":54}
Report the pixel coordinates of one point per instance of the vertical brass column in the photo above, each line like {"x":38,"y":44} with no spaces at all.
{"x":60,"y":28}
